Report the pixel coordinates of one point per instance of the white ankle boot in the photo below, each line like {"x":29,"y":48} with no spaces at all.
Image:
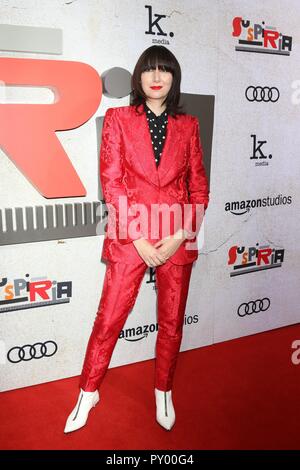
{"x":78,"y":417}
{"x":165,"y":413}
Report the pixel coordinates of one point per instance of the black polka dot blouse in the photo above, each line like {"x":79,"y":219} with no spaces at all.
{"x":158,"y":131}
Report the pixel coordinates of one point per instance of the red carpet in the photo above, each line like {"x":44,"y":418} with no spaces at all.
{"x":240,"y":394}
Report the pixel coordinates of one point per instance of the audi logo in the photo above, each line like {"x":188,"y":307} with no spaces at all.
{"x":259,"y":305}
{"x":28,"y":351}
{"x":259,"y":93}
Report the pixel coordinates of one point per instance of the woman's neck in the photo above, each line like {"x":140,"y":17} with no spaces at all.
{"x":156,"y":106}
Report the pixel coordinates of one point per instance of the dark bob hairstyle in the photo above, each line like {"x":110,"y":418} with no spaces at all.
{"x":150,"y":58}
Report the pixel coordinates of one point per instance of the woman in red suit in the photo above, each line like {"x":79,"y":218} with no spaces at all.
{"x":151,"y":170}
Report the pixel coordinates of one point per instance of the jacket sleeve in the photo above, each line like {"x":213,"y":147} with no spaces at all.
{"x":197,"y":182}
{"x":111,"y":176}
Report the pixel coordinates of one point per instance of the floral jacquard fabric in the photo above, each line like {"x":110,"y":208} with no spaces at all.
{"x":130,"y":175}
{"x":120,"y":289}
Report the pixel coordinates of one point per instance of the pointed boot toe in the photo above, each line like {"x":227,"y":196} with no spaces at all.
{"x":79,"y":415}
{"x":165,"y":413}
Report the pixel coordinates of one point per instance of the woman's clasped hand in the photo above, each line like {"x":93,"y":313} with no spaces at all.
{"x":157,"y":254}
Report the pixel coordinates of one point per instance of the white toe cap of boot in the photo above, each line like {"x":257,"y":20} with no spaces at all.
{"x":79,"y":415}
{"x":165,"y":413}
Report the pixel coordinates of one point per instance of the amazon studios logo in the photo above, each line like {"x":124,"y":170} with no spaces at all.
{"x":255,"y":258}
{"x":22,"y":293}
{"x":140,"y":332}
{"x":244,"y":206}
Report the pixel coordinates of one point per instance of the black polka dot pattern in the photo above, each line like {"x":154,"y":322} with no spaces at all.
{"x":158,"y":131}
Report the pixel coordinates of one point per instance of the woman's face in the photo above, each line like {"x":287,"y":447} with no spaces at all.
{"x":152,"y":78}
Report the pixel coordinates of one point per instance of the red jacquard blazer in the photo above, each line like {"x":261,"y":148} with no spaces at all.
{"x":128,"y":169}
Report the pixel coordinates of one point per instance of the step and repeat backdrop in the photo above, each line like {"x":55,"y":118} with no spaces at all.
{"x":62,"y":64}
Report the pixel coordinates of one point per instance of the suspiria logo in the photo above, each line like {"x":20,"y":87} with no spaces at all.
{"x":260,"y":38}
{"x":20,"y":293}
{"x":140,"y":332}
{"x":255,"y":258}
{"x":244,"y":206}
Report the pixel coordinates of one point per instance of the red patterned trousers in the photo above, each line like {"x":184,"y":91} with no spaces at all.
{"x":120,"y":289}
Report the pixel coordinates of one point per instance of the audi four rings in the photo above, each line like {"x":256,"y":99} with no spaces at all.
{"x":28,"y":351}
{"x":254,"y":306}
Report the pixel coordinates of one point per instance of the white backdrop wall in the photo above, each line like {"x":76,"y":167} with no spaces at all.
{"x":111,"y":33}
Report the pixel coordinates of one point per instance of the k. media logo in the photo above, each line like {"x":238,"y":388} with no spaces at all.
{"x":259,"y":37}
{"x":258,"y":155}
{"x":22,"y":293}
{"x":155,"y":28}
{"x":254,"y":258}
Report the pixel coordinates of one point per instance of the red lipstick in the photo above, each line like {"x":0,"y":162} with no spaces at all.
{"x":156,"y":87}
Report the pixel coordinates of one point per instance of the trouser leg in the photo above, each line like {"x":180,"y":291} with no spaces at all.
{"x":172,"y":291}
{"x":120,"y":288}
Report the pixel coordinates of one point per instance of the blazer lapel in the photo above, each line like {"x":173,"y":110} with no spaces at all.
{"x":145,"y":153}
